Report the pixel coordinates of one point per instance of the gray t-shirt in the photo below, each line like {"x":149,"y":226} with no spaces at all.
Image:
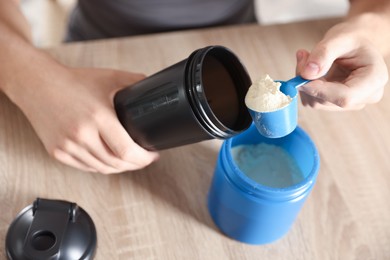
{"x":96,"y":19}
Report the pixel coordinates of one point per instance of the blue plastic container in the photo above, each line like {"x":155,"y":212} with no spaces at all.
{"x":253,"y":213}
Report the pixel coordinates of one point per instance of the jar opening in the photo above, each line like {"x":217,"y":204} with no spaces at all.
{"x":217,"y":89}
{"x":298,"y":144}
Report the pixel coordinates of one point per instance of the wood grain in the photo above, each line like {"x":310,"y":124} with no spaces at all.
{"x":160,"y":212}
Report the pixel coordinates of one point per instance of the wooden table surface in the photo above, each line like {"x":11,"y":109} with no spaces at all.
{"x":160,"y":212}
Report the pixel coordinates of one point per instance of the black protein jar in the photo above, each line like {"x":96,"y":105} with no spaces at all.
{"x":199,"y":98}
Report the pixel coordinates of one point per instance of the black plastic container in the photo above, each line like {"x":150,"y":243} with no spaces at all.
{"x":199,"y":98}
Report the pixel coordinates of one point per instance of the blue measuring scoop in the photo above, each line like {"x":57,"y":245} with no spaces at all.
{"x":281,"y":122}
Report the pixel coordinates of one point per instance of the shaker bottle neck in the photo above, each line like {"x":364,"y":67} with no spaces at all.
{"x":216,"y":85}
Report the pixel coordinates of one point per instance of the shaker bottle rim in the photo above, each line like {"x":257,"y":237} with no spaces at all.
{"x":256,"y":190}
{"x":198,"y":99}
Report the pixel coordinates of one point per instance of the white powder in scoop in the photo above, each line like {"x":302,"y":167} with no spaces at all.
{"x":264,"y":96}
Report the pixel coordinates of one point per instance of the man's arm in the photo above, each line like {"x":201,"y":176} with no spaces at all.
{"x":12,"y":18}
{"x":372,"y":20}
{"x":20,"y":62}
{"x":70,"y":109}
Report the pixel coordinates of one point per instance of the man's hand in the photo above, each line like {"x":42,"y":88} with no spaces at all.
{"x":347,"y":70}
{"x":74,"y":117}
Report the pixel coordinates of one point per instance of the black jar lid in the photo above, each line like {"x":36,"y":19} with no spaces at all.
{"x":51,"y":229}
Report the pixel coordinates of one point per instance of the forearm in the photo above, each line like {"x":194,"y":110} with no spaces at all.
{"x":371,"y":19}
{"x":12,"y":22}
{"x":22,"y":65}
{"x":361,"y":6}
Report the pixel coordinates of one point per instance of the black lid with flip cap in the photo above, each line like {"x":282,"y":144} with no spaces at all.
{"x":51,"y":230}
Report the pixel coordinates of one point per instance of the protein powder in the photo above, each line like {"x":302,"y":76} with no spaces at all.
{"x":267,"y":164}
{"x":264,"y":95}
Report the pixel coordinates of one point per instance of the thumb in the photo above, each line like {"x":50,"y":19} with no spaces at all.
{"x":323,"y":55}
{"x":122,"y":79}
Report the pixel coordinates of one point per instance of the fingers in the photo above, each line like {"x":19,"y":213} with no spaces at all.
{"x":320,"y":104}
{"x":112,"y":145}
{"x":102,"y":146}
{"x":92,"y":154}
{"x":67,"y":159}
{"x":80,"y":127}
{"x":123,"y":79}
{"x":346,"y":75}
{"x":103,"y":160}
{"x":324,"y":54}
{"x":84,"y":157}
{"x":361,"y":87}
{"x":122,"y":146}
{"x":107,"y":148}
{"x":336,"y":96}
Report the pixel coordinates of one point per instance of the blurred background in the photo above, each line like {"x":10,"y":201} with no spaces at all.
{"x":48,"y":18}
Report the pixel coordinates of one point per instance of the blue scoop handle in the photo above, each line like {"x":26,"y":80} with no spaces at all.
{"x":289,"y":87}
{"x":297,"y":81}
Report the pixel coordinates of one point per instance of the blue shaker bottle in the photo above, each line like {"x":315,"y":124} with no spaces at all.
{"x":253,"y":213}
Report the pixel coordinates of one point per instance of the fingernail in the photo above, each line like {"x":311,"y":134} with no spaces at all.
{"x":312,"y":67}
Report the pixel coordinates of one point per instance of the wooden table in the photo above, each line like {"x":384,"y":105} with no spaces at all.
{"x":160,"y":212}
